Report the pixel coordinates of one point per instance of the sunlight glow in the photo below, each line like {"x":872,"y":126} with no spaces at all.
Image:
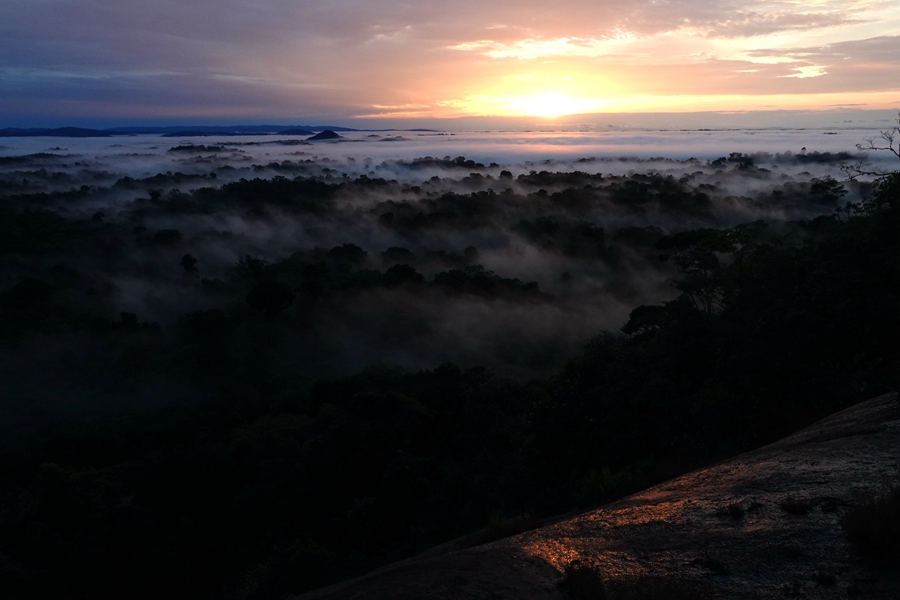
{"x":551,"y":105}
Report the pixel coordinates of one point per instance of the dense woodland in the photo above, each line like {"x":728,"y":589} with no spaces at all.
{"x":263,"y":424}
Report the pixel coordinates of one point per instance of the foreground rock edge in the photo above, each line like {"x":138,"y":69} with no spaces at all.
{"x":765,"y":524}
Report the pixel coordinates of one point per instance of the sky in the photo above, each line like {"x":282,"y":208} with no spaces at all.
{"x":109,"y":62}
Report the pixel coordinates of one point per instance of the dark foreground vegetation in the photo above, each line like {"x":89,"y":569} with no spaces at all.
{"x":583,"y":583}
{"x":244,"y":475}
{"x":873,"y":526}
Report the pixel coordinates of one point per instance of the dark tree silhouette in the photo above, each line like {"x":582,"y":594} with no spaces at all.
{"x":270,"y":297}
{"x":252,"y":266}
{"x":887,"y":141}
{"x":189,"y":264}
{"x":348,"y":254}
{"x":402,"y":274}
{"x":28,"y":294}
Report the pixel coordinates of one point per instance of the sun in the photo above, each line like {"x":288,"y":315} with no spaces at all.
{"x":551,"y":105}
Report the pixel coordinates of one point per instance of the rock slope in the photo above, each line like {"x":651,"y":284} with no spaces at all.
{"x":765,"y":524}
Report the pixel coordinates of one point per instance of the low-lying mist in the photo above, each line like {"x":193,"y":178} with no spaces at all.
{"x":135,"y":274}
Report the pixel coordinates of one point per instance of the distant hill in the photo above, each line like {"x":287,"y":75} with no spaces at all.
{"x":225,"y":129}
{"x":205,"y":134}
{"x":325,"y":135}
{"x":187,"y":131}
{"x":70,"y":132}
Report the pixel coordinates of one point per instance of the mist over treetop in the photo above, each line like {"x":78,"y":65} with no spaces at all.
{"x":265,"y":367}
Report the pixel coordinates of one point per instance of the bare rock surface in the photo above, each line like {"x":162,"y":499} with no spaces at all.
{"x":765,"y":524}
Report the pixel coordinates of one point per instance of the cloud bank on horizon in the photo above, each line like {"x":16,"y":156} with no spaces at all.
{"x":344,"y":59}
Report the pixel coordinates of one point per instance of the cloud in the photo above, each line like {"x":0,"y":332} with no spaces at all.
{"x":282,"y":57}
{"x":751,"y":24}
{"x":850,"y":65}
{"x":807,"y":71}
{"x":538,"y":48}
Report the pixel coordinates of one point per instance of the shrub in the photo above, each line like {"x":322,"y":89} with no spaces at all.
{"x":795,"y":506}
{"x":735,"y":510}
{"x":873,"y":527}
{"x":584,"y":583}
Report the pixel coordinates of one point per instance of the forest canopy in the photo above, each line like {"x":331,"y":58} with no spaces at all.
{"x":262,"y":379}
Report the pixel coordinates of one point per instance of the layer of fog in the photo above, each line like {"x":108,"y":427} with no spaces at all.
{"x":590,"y":292}
{"x":145,"y":155}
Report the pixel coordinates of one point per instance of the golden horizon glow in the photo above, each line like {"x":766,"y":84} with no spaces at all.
{"x":772,"y":57}
{"x":562,"y":77}
{"x":553,"y":105}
